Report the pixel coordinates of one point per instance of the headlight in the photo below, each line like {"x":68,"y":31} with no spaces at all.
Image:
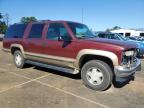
{"x":129,"y":53}
{"x":137,"y":51}
{"x":129,"y":57}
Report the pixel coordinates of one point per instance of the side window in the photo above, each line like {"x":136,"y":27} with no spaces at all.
{"x":56,"y":30}
{"x":121,"y":33}
{"x":16,"y":31}
{"x":141,"y":34}
{"x":36,"y":31}
{"x":102,"y":36}
{"x":113,"y":36}
{"x":127,"y":34}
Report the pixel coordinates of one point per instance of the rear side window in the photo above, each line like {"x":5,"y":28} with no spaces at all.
{"x":16,"y":31}
{"x":36,"y":31}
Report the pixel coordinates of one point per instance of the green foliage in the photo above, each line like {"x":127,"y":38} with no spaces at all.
{"x":1,"y":16}
{"x":28,"y":19}
{"x":3,"y":26}
{"x":114,"y":28}
{"x":108,"y":30}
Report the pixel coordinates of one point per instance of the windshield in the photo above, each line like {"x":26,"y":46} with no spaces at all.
{"x":132,"y":38}
{"x":121,"y":37}
{"x":80,"y":30}
{"x":111,"y":36}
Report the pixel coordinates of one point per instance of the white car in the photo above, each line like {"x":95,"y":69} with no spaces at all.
{"x":1,"y":37}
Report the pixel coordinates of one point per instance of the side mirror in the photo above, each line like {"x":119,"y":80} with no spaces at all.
{"x":65,"y":38}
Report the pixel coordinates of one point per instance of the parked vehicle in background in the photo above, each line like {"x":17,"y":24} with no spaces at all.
{"x":71,"y":46}
{"x":137,"y":38}
{"x":129,"y":32}
{"x":132,"y":38}
{"x":1,"y":37}
{"x":141,"y":39}
{"x":117,"y":36}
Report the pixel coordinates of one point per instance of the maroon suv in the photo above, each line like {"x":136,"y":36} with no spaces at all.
{"x":71,"y":47}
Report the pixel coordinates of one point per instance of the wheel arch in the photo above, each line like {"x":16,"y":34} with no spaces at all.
{"x":15,"y":47}
{"x":89,"y":54}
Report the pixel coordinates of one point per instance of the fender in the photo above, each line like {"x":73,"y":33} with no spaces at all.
{"x":107,"y":54}
{"x":18,"y":46}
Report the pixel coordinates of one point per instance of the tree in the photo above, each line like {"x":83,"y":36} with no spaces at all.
{"x":114,"y":28}
{"x":3,"y":26}
{"x":108,"y":30}
{"x":28,"y":19}
{"x":1,"y":16}
{"x":6,"y":19}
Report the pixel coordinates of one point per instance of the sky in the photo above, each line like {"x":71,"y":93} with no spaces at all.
{"x":97,"y":14}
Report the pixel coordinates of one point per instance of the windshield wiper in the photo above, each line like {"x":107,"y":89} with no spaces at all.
{"x":86,"y":36}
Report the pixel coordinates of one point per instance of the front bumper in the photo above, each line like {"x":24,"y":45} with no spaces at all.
{"x":122,"y":72}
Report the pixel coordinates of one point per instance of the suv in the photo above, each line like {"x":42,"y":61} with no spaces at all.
{"x":71,"y":47}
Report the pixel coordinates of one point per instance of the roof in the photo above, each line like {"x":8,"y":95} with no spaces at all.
{"x":42,"y":21}
{"x":127,"y":30}
{"x":104,"y":32}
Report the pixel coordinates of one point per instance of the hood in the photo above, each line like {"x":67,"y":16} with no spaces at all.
{"x":139,"y":43}
{"x":123,"y":44}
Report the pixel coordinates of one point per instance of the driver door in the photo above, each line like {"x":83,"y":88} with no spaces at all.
{"x":58,"y":50}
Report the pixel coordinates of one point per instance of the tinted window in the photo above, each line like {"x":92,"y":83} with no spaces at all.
{"x":109,"y":36}
{"x":121,"y":33}
{"x":113,"y":36}
{"x":141,"y":34}
{"x":102,"y":36}
{"x":56,"y":30}
{"x":16,"y":31}
{"x":132,"y":38}
{"x":127,"y":34}
{"x":36,"y":31}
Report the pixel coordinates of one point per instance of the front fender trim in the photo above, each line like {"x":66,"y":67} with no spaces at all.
{"x":107,"y":54}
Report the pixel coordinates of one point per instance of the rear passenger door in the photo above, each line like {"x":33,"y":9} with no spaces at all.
{"x":33,"y":41}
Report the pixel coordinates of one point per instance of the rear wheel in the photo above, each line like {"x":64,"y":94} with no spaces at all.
{"x":18,"y":58}
{"x":97,"y":75}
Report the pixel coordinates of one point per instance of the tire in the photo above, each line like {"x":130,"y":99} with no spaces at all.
{"x":18,"y":59}
{"x":97,"y":75}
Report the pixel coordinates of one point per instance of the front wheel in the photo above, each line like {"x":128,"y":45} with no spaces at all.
{"x":97,"y":75}
{"x":18,"y":58}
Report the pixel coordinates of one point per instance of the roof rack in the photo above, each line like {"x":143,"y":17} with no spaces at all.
{"x":18,"y":23}
{"x":42,"y":20}
{"x":33,"y":21}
